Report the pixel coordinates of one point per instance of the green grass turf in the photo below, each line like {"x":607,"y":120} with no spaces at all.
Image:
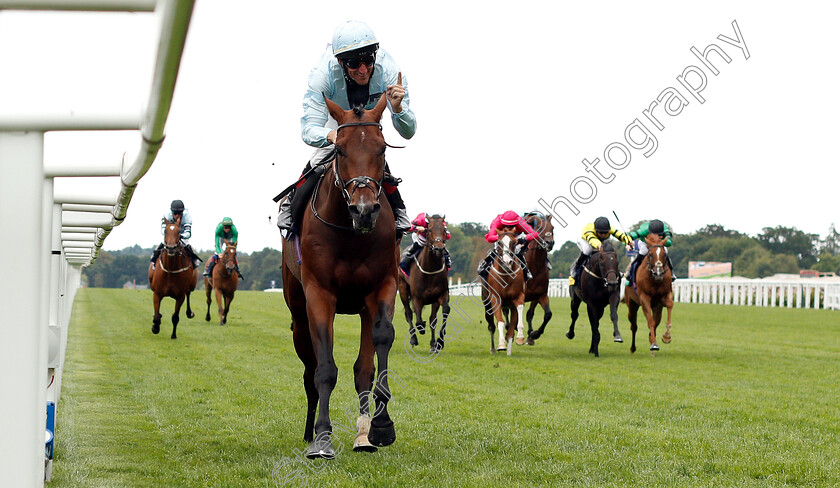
{"x":743,"y":397}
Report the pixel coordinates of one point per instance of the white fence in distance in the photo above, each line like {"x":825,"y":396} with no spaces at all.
{"x":758,"y":293}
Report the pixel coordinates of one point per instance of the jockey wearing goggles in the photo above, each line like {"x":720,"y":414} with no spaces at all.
{"x":177,"y":208}
{"x":509,"y":220}
{"x":354,"y":72}
{"x":590,"y":240}
{"x":225,"y":231}
{"x":655,"y":227}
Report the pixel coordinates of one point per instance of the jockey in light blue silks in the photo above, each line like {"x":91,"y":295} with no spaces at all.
{"x":353,"y":72}
{"x":177,"y":208}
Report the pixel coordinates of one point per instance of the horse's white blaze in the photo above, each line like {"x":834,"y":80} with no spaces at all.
{"x":520,"y":326}
{"x":658,"y":250}
{"x":171,"y":227}
{"x":506,"y":257}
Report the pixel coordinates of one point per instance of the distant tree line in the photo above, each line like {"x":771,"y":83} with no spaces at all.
{"x":776,"y":250}
{"x":113,"y":269}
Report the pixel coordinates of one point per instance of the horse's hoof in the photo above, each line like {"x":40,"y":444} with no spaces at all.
{"x":320,"y":449}
{"x":155,"y":329}
{"x":173,"y":336}
{"x":520,"y":341}
{"x":501,"y":348}
{"x":666,"y":339}
{"x":413,"y":340}
{"x":382,"y":436}
{"x":530,"y":342}
{"x":618,"y":339}
{"x":654,"y":347}
{"x":207,"y":317}
{"x":570,"y":335}
{"x":421,"y":327}
{"x":362,"y":444}
{"x":190,"y":315}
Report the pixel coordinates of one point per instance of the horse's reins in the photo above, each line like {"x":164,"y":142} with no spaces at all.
{"x":173,"y":272}
{"x":443,"y":266}
{"x":515,"y":259}
{"x":606,"y":283}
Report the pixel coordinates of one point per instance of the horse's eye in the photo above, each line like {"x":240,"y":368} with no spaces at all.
{"x":382,"y":153}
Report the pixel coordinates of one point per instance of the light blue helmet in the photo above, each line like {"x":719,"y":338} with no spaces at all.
{"x":353,"y":36}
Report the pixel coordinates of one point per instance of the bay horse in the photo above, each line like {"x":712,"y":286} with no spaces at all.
{"x":428,"y":284}
{"x":503,"y":291}
{"x":598,"y":286}
{"x":225,"y":280}
{"x":173,"y":275}
{"x":652,"y":292}
{"x":345,"y":261}
{"x":536,"y":256}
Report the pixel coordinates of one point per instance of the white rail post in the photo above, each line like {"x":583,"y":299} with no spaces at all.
{"x":23,"y":382}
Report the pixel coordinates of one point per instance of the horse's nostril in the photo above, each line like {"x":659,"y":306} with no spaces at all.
{"x":354,"y":210}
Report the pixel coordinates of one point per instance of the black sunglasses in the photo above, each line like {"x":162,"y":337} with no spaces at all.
{"x":354,"y":63}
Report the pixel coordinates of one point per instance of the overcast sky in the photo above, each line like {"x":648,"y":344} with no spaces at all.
{"x":509,"y":101}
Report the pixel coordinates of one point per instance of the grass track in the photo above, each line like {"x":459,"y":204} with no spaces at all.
{"x":743,"y":397}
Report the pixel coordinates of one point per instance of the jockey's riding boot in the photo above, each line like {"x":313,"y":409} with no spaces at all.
{"x":405,"y":265}
{"x":392,"y":193}
{"x":208,"y":270}
{"x":574,"y":272}
{"x":239,"y":272}
{"x":401,"y":220}
{"x":527,"y":271}
{"x":485,"y":264}
{"x":156,"y":254}
{"x":284,"y":217}
{"x":447,"y":259}
{"x":671,"y":265}
{"x":547,"y":263}
{"x":631,"y":275}
{"x":193,"y":255}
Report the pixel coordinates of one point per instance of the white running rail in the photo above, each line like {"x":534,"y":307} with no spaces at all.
{"x":58,"y":232}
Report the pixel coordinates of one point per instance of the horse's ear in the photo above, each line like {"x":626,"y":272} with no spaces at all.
{"x":379,"y":108}
{"x":548,"y":217}
{"x":335,"y":110}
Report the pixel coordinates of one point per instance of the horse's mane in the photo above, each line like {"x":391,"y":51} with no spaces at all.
{"x":358,"y":109}
{"x":607,"y":246}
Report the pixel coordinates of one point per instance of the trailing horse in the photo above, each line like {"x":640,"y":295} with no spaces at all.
{"x":503,"y":291}
{"x":598,"y":286}
{"x":652,"y":291}
{"x":345,"y":261}
{"x":428,"y":284}
{"x":225,"y":280}
{"x":173,"y":275}
{"x":536,"y":256}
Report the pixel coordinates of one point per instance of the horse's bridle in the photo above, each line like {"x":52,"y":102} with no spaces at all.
{"x":542,"y":242}
{"x":363,"y":181}
{"x":655,"y":271}
{"x":605,"y":278}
